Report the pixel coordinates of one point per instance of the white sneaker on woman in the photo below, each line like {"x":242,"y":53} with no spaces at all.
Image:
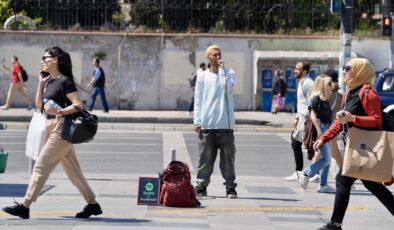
{"x":325,"y":189}
{"x":315,"y":179}
{"x":303,"y":180}
{"x":292,"y":177}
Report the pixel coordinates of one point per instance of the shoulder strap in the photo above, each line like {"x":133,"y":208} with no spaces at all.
{"x":80,"y":87}
{"x":302,"y":88}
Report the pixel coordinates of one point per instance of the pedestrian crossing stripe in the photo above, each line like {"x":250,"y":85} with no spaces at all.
{"x":257,"y":209}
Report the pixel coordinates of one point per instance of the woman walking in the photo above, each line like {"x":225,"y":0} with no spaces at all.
{"x":362,"y":110}
{"x":59,"y":87}
{"x":320,"y":114}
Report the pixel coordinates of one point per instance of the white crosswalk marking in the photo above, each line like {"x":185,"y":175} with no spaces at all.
{"x":175,"y":140}
{"x":285,"y":136}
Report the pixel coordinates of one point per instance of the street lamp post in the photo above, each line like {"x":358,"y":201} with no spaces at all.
{"x":346,"y":37}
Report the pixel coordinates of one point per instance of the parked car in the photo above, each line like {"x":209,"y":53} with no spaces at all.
{"x":384,"y":86}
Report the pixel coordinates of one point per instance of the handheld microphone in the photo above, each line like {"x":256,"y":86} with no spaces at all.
{"x":221,"y":63}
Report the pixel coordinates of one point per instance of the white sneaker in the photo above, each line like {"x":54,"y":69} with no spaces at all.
{"x":353,"y":187}
{"x":4,"y":107}
{"x":315,"y":179}
{"x":325,"y":189}
{"x":303,"y":180}
{"x":292,"y":177}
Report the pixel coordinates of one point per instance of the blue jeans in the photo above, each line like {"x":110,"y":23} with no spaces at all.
{"x":98,"y":90}
{"x":322,"y":165}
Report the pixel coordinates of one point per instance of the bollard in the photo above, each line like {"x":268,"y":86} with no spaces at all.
{"x":172,"y":156}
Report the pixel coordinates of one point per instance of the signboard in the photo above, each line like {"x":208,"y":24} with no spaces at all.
{"x":266,"y":77}
{"x":314,"y":72}
{"x":148,"y":191}
{"x":336,"y":6}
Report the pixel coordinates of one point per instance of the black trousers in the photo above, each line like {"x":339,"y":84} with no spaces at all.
{"x":298,"y":155}
{"x":191,"y":105}
{"x":342,"y":195}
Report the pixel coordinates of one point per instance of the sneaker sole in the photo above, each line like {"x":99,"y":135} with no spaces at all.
{"x":232,"y":196}
{"x":330,"y":192}
{"x":87,"y":217}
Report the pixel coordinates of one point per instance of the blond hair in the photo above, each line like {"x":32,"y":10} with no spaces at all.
{"x":210,"y":49}
{"x":318,"y":86}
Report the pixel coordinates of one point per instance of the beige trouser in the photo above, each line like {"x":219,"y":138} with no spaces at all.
{"x":16,"y":87}
{"x":54,"y":151}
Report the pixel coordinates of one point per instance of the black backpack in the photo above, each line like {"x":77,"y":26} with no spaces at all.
{"x":25,"y":77}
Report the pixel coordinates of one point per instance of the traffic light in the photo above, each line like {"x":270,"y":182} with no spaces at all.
{"x":387,"y":21}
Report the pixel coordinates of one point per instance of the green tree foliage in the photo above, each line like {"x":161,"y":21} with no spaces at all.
{"x":5,"y":10}
{"x":261,"y":16}
{"x":101,"y":55}
{"x":63,"y":14}
{"x":217,"y":16}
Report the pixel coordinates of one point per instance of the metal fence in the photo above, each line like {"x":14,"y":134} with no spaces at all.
{"x":242,"y":16}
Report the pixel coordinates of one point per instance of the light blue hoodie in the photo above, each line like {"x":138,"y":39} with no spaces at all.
{"x":214,"y":100}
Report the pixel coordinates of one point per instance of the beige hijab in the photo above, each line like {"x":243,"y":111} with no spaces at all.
{"x":363,"y":72}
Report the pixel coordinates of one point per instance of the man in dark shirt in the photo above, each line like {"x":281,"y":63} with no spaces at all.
{"x":192,"y":85}
{"x":98,"y":83}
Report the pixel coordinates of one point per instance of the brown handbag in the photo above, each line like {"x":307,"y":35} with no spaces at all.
{"x":369,"y":155}
{"x":310,"y":137}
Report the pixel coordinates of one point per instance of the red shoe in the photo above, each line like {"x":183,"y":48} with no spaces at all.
{"x":389,"y":182}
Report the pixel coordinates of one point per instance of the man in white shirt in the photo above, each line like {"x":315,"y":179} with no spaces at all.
{"x":214,"y":122}
{"x":304,"y":92}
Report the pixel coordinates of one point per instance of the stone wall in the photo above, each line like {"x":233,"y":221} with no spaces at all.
{"x":150,"y":71}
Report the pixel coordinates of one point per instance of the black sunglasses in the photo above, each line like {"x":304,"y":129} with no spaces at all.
{"x":43,"y":58}
{"x":347,"y":68}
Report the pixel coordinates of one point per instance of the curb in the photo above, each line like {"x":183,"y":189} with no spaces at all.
{"x":160,"y":127}
{"x":161,"y":120}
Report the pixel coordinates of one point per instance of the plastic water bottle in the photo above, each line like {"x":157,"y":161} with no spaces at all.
{"x":52,"y":103}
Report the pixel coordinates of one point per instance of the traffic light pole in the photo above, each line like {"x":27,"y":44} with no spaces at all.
{"x":346,"y":38}
{"x":391,"y":45}
{"x":386,"y":8}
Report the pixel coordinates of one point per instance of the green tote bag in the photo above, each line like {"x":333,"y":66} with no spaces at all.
{"x":3,"y":161}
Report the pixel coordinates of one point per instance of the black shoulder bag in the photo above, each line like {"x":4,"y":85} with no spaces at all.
{"x":80,"y":127}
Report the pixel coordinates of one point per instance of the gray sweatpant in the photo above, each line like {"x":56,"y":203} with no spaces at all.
{"x":210,"y":142}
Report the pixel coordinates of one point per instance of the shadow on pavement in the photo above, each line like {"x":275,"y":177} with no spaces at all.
{"x":106,"y":219}
{"x":19,"y":190}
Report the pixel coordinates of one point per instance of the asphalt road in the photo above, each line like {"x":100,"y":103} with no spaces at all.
{"x":136,"y":152}
{"x":114,"y":161}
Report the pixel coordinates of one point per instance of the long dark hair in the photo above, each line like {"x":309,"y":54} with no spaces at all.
{"x":64,"y":61}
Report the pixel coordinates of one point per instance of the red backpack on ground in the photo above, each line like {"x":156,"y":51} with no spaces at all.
{"x":176,"y":189}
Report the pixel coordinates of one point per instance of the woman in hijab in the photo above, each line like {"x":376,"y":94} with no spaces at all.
{"x":362,"y":110}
